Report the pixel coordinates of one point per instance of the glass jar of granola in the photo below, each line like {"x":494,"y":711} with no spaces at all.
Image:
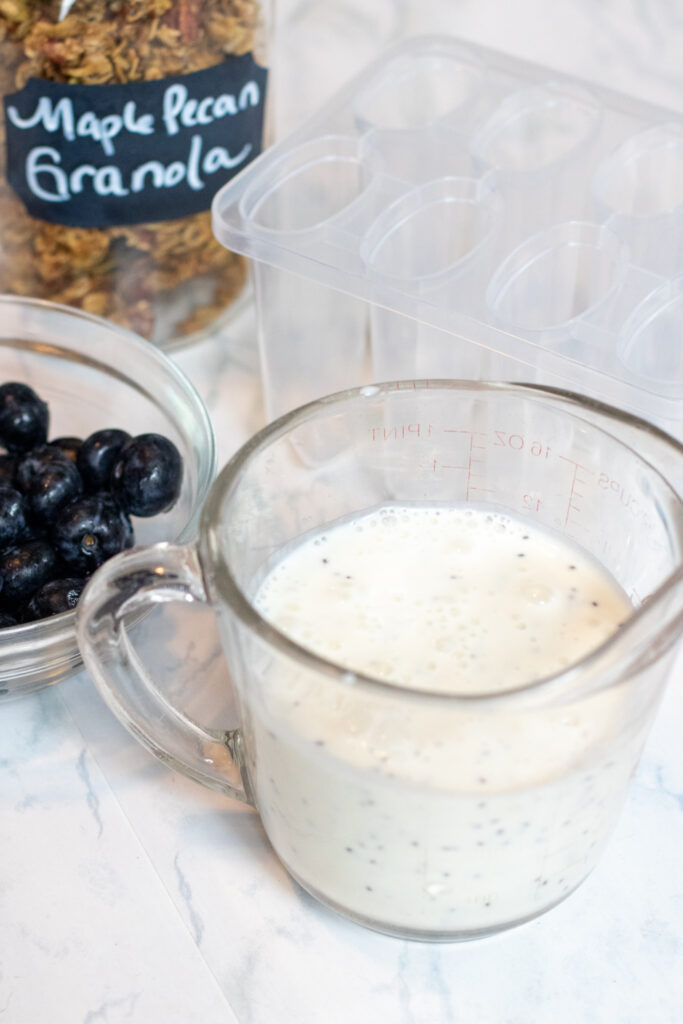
{"x":122,"y":118}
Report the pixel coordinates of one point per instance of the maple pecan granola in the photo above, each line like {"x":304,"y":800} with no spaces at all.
{"x":130,"y":273}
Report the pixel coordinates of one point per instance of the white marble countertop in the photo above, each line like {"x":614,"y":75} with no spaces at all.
{"x":129,"y":895}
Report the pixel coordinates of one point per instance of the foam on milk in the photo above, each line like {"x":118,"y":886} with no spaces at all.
{"x":450,"y":599}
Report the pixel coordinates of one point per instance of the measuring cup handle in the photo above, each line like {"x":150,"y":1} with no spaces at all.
{"x":120,"y":592}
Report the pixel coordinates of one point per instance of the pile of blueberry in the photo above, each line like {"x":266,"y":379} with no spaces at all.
{"x":65,"y":506}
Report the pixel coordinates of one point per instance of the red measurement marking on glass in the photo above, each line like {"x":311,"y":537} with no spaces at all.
{"x":401,"y":432}
{"x":472,"y":460}
{"x":532,"y":502}
{"x":518,"y":443}
{"x":575,"y":495}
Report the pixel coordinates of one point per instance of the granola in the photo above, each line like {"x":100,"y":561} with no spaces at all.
{"x":128,"y":273}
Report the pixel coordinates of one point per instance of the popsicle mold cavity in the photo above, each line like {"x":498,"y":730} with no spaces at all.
{"x":411,"y":93}
{"x":537,"y":127}
{"x":431,"y":230}
{"x":307,"y":187}
{"x":647,"y":348}
{"x":644,"y":176}
{"x":557,"y":276}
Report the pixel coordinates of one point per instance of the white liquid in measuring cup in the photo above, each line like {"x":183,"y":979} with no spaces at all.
{"x":418,"y":813}
{"x":454,"y":600}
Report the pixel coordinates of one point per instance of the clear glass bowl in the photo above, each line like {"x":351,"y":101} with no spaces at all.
{"x":94,"y":374}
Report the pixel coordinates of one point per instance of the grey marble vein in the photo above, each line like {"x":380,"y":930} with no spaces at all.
{"x":662,"y":786}
{"x":124,"y":1006}
{"x":93,"y":799}
{"x":185,"y":891}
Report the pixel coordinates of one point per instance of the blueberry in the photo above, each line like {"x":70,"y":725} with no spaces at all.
{"x":24,"y":569}
{"x":23,"y":417}
{"x":69,"y":445}
{"x":147,"y":475}
{"x":7,"y":620}
{"x":12,"y":516}
{"x":90,"y":530}
{"x":34,"y":531}
{"x":49,"y":479}
{"x":8,"y":468}
{"x":52,"y":598}
{"x":97,"y":456}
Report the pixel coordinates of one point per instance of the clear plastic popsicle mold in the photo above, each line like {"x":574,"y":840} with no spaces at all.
{"x":456,"y":212}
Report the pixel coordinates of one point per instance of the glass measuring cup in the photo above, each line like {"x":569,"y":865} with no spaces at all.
{"x":483,"y":810}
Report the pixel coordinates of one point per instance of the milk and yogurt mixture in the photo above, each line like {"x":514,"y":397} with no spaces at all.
{"x":424,"y":814}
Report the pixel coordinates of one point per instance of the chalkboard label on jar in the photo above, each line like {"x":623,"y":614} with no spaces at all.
{"x":107,"y":155}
